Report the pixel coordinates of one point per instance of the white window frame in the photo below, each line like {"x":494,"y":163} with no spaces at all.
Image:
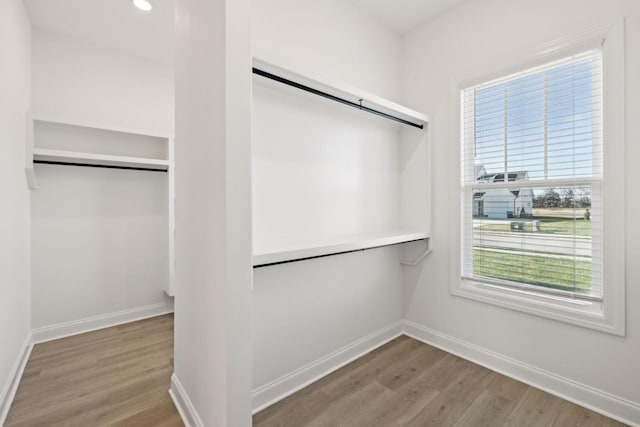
{"x":607,"y":315}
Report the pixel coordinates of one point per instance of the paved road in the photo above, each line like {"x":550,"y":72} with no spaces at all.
{"x":539,"y":242}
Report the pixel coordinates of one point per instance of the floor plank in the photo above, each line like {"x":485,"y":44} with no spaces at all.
{"x":117,"y":376}
{"x":408,"y":383}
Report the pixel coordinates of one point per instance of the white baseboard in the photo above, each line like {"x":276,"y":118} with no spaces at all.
{"x":183,"y":404}
{"x":62,"y":330}
{"x":597,"y":400}
{"x":11,"y":385}
{"x":282,"y":387}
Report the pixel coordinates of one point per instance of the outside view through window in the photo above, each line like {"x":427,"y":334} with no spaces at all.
{"x":532,"y":167}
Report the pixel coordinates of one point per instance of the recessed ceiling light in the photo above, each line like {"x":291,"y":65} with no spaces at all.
{"x":142,"y":5}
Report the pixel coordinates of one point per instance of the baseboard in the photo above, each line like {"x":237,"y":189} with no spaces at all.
{"x":282,"y":387}
{"x":62,"y":330}
{"x":183,"y":404}
{"x":11,"y":386}
{"x":597,"y":400}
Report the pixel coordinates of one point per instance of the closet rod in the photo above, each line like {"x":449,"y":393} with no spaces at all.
{"x":333,"y":97}
{"x":89,"y":165}
{"x":269,"y":264}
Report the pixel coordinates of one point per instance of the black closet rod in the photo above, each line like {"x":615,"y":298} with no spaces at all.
{"x":89,"y":165}
{"x":269,"y":264}
{"x":333,"y":97}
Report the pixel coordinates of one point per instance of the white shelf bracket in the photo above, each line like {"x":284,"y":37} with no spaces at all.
{"x":418,"y":260}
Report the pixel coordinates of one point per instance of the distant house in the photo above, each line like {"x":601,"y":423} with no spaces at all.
{"x":502,"y":203}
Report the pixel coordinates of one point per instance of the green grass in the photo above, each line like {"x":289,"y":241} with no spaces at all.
{"x":547,"y":271}
{"x":550,"y":225}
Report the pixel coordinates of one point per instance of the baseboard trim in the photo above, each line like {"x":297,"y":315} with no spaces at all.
{"x":62,"y":330}
{"x":183,"y":404}
{"x":13,"y":381}
{"x":270,"y":393}
{"x":596,"y":400}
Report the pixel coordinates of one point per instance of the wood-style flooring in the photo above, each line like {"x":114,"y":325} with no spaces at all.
{"x":118,"y":376}
{"x":408,"y":383}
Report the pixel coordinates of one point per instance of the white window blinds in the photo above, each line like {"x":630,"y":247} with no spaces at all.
{"x":531,"y":179}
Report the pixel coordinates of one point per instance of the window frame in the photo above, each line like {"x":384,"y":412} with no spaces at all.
{"x":607,"y":315}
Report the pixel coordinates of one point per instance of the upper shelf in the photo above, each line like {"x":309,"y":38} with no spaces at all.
{"x":37,"y":117}
{"x":304,"y":250}
{"x":58,"y":140}
{"x":350,"y":94}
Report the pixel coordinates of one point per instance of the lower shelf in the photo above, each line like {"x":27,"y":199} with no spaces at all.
{"x":72,"y":157}
{"x":299,"y":251}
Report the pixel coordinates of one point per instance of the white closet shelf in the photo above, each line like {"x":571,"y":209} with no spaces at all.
{"x":340,"y":90}
{"x":46,"y":154}
{"x":100,"y":126}
{"x":304,"y":250}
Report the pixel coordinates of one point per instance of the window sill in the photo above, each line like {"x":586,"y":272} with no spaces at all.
{"x":588,"y":314}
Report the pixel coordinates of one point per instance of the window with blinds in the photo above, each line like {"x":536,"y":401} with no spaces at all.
{"x":531,"y":179}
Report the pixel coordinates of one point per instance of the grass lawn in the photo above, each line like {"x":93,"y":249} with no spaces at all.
{"x":547,"y":271}
{"x":551,"y":225}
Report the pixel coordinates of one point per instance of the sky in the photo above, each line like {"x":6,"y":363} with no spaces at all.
{"x":547,"y":123}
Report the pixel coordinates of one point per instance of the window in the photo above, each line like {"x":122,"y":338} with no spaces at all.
{"x":531,"y":177}
{"x":533,"y":226}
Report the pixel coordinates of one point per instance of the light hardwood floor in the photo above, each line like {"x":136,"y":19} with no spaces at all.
{"x":408,"y":383}
{"x":117,"y":376}
{"x":120,"y":376}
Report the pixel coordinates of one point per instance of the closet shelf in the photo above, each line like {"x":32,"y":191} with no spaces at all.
{"x":46,"y":154}
{"x":37,"y":117}
{"x":342,"y":91}
{"x":298,"y":251}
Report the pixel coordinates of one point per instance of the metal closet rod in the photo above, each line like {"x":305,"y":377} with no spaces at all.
{"x":89,"y":165}
{"x":333,"y":97}
{"x":269,"y":264}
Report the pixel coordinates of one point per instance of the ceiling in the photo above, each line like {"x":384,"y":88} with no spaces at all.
{"x":403,"y":16}
{"x":118,"y":24}
{"x":114,"y":23}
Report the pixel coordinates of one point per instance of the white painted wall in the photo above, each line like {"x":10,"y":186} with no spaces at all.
{"x":212,"y":380}
{"x":323,"y":170}
{"x":99,"y":242}
{"x":330,"y":38}
{"x":15,"y":87}
{"x":479,"y":37}
{"x":99,"y":237}
{"x":87,"y":82}
{"x":320,"y":169}
{"x":304,"y":311}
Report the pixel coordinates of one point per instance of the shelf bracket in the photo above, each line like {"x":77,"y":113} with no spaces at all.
{"x":419,"y":259}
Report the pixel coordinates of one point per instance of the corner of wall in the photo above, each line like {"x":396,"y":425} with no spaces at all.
{"x":185,"y":408}
{"x":10,"y":387}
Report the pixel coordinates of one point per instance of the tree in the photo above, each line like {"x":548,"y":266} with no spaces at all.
{"x":568,"y":198}
{"x":583,"y":197}
{"x":551,"y":198}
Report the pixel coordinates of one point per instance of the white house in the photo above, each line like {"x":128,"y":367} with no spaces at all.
{"x":502,"y":203}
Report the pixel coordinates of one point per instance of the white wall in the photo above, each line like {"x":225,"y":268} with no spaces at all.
{"x":329,"y":38}
{"x":99,"y":242}
{"x":15,"y":86}
{"x":91,"y":83}
{"x":322,"y":170}
{"x":212,"y":380}
{"x":304,"y":311}
{"x":99,"y":237}
{"x":477,"y":38}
